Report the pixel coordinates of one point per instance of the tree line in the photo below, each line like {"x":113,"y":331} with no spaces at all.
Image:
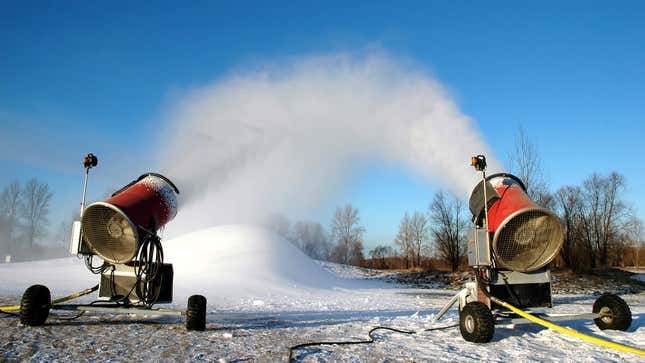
{"x":600,"y":226}
{"x":600,"y":229}
{"x":441,"y":230}
{"x":24,"y":216}
{"x":344,"y":243}
{"x":427,"y":238}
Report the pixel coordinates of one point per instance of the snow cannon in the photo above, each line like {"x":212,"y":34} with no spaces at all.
{"x":509,"y":247}
{"x":512,"y":241}
{"x":115,"y":228}
{"x":525,"y":236}
{"x":122,"y":232}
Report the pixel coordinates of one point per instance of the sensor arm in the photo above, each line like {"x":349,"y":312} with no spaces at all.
{"x":89,"y":161}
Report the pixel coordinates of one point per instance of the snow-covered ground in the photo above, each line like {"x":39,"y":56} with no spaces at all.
{"x":265,"y":295}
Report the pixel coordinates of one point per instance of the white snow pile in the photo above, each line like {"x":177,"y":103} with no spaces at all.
{"x":60,"y":275}
{"x":229,"y":265}
{"x":244,"y":261}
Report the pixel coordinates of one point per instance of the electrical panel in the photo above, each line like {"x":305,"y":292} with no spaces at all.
{"x":478,"y":247}
{"x":76,"y":244}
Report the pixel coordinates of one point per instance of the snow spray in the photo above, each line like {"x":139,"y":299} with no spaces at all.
{"x":286,"y":136}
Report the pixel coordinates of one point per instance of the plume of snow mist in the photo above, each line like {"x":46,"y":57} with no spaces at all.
{"x":283,"y":138}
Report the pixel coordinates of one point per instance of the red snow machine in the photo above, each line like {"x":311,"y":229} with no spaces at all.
{"x":121,"y":232}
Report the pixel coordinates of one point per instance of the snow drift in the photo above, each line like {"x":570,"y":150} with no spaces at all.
{"x":238,"y":261}
{"x":61,"y":275}
{"x":225,"y":263}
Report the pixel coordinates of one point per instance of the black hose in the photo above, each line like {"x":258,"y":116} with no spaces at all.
{"x":368,"y":341}
{"x":147,"y":269}
{"x":68,"y":318}
{"x":95,"y":270}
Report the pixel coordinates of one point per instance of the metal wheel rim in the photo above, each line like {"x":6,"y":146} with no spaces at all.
{"x":606,"y":315}
{"x":469,"y":323}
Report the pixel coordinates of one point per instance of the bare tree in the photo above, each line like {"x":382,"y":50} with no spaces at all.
{"x":379,"y":255}
{"x":10,"y":205}
{"x":623,"y":250}
{"x":312,"y":239}
{"x":447,"y":216}
{"x":346,"y":231}
{"x":5,"y":241}
{"x":356,"y":257}
{"x":568,"y":201}
{"x":525,"y":163}
{"x":36,"y":196}
{"x":405,"y":240}
{"x":604,"y":212}
{"x":420,"y":230}
{"x":637,"y":240}
{"x":600,"y":228}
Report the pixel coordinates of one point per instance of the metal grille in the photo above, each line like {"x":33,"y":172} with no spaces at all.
{"x":527,"y":241}
{"x":109,"y":233}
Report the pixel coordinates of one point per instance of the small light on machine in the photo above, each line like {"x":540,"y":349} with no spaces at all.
{"x":90,"y":161}
{"x":479,"y":162}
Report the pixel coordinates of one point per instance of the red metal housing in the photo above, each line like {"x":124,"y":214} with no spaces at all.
{"x":525,"y":236}
{"x":114,"y":228}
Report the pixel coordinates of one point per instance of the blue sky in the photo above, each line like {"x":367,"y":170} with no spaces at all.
{"x":79,"y":76}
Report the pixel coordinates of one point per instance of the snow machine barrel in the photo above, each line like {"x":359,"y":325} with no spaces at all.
{"x":526,"y":236}
{"x":115,"y":227}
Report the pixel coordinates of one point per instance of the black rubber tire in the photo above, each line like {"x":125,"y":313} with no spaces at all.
{"x":34,"y":306}
{"x":619,"y":315}
{"x":196,"y":313}
{"x":476,"y":323}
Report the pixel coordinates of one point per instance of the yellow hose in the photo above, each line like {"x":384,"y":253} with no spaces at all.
{"x":55,"y":301}
{"x":569,"y":331}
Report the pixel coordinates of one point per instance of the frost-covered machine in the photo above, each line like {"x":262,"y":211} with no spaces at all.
{"x":512,"y":242}
{"x":121,"y":231}
{"x":510,"y":246}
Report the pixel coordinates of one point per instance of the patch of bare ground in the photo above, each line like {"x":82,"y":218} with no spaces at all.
{"x":612,"y":280}
{"x":596,"y":282}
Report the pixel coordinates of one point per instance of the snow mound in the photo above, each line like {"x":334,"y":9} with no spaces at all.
{"x":61,"y":275}
{"x":244,"y":261}
{"x":231,"y":265}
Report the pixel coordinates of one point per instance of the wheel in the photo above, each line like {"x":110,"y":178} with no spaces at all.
{"x":196,"y":313}
{"x":476,"y":322}
{"x":614,"y":311}
{"x":34,"y":306}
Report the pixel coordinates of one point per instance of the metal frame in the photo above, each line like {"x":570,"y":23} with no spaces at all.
{"x":118,"y":309}
{"x":470,"y":290}
{"x":552,"y":318}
